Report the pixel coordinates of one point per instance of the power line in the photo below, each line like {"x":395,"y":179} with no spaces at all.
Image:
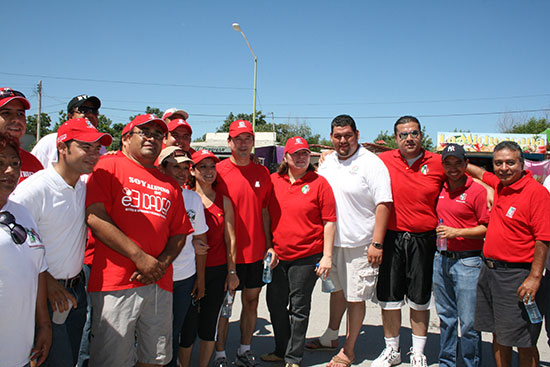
{"x":125,"y":82}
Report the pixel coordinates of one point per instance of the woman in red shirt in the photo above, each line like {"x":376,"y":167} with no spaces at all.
{"x":303,"y":224}
{"x":220,"y":274}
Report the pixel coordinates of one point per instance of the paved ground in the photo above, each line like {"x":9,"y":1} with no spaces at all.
{"x":369,"y":344}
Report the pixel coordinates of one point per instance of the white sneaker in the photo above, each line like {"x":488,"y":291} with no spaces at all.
{"x":387,"y":358}
{"x":418,"y":359}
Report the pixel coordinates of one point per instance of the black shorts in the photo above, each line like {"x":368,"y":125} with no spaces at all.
{"x":202,"y":318}
{"x":250,"y":275}
{"x":407,"y":267}
{"x":500,"y":311}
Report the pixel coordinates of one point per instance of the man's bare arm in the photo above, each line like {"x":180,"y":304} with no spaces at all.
{"x":382,"y":217}
{"x":477,"y":232}
{"x":530,"y":285}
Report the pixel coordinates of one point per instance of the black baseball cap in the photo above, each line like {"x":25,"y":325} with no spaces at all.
{"x":79,"y":101}
{"x":454,"y":150}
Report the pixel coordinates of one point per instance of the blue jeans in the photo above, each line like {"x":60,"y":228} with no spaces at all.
{"x":181,"y":301}
{"x":66,"y":337}
{"x":454,"y":287}
{"x":84,"y":353}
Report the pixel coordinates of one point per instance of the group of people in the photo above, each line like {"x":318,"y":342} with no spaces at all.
{"x":124,"y":258}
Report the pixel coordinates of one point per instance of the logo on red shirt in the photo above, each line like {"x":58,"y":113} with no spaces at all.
{"x":305,"y":189}
{"x":424,"y":169}
{"x":511,"y":212}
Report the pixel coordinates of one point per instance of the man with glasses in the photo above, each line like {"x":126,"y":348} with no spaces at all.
{"x":81,"y":106}
{"x":361,"y":186}
{"x":13,"y":105}
{"x":139,"y":225}
{"x":409,"y":245}
{"x":55,"y":197}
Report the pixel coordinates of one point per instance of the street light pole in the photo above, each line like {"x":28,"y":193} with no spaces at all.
{"x":237,"y":27}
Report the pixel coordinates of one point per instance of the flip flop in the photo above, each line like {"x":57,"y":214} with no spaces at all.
{"x":315,"y":344}
{"x":338,"y":361}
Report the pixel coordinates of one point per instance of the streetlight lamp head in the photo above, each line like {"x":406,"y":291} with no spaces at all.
{"x":236,"y":27}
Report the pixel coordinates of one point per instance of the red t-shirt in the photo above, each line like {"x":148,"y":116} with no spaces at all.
{"x":215,"y":220}
{"x":520,"y":216}
{"x":297,"y":212}
{"x":465,"y":207}
{"x":29,"y":164}
{"x":143,"y":203}
{"x":249,"y":188}
{"x":415,"y":190}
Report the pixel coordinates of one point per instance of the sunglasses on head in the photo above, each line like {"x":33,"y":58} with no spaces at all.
{"x":414,"y":134}
{"x":10,"y":93}
{"x":18,"y":233}
{"x":84,"y":110}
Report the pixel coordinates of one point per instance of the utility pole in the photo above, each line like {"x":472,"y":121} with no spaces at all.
{"x":39,"y":91}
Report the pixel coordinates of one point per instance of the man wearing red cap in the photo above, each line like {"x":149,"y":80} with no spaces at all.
{"x":139,"y":225}
{"x":248,"y":185}
{"x":13,"y":105}
{"x":81,"y":106}
{"x":179,"y":134}
{"x":55,"y":197}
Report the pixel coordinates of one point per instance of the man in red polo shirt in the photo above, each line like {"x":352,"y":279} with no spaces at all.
{"x":409,"y":246}
{"x":515,"y":251}
{"x":13,"y":105}
{"x":248,"y":185}
{"x":462,"y":210}
{"x":139,"y":225}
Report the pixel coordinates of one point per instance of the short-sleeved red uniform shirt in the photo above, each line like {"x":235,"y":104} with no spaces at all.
{"x":215,"y":220}
{"x":29,"y":164}
{"x":143,"y":203}
{"x":298,"y":211}
{"x":249,"y":189}
{"x":519,"y":217}
{"x":465,"y":207}
{"x":415,"y":190}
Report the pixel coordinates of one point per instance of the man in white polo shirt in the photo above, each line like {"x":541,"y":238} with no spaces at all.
{"x":55,"y":197}
{"x":361,"y":186}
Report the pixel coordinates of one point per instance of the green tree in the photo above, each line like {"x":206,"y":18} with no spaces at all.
{"x":150,"y":110}
{"x":260,"y":121}
{"x":45,"y":122}
{"x":531,"y":126}
{"x":385,"y":138}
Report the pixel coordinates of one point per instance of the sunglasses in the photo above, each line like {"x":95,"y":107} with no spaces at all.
{"x":414,"y":134}
{"x":147,"y":134}
{"x":84,"y":110}
{"x":18,"y":233}
{"x":10,"y":93}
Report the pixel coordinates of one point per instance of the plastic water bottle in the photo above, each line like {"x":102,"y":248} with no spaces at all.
{"x":441,"y":243}
{"x":532,"y":310}
{"x":327,"y":286}
{"x":267,"y":275}
{"x":227,"y":306}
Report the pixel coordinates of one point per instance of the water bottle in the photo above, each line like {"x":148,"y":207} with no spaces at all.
{"x":327,"y":286}
{"x":267,"y":275}
{"x":441,"y":243}
{"x":532,"y":310}
{"x":227,"y":306}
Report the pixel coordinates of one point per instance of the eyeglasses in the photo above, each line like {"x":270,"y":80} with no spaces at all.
{"x":414,"y":134}
{"x":147,"y":134}
{"x":85,"y":109}
{"x":18,"y":232}
{"x":10,"y":93}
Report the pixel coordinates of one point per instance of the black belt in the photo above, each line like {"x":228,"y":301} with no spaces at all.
{"x":461,"y":254}
{"x":497,"y":264}
{"x":72,"y":282}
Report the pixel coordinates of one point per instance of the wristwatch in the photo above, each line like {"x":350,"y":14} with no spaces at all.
{"x":377,"y":245}
{"x":231,"y":272}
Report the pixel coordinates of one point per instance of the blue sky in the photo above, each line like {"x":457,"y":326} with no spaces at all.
{"x":451,"y":63}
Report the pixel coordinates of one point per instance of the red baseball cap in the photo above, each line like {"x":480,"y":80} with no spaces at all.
{"x":240,"y":126}
{"x":174,"y":124}
{"x":8,"y":94}
{"x":174,"y":111}
{"x":82,"y":130}
{"x":199,"y":155}
{"x":295,"y":144}
{"x":144,"y":119}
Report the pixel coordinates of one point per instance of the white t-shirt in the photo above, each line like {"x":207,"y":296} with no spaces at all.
{"x":184,"y":265}
{"x":359,"y":183}
{"x":547,"y":183}
{"x":46,"y":149}
{"x":20,"y":266}
{"x":59,"y":211}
